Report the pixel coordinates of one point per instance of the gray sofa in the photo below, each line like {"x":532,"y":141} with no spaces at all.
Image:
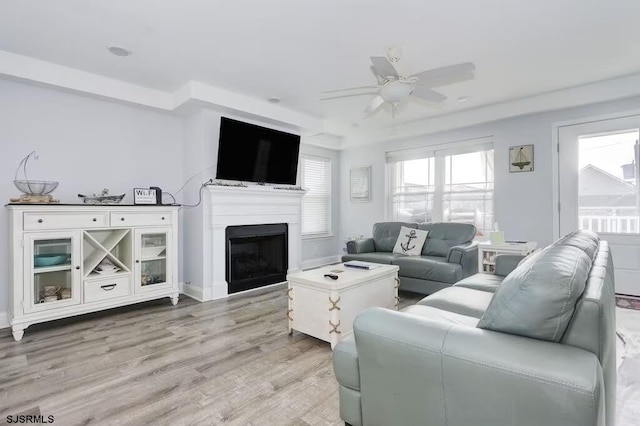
{"x":448,"y":255}
{"x":536,"y":347}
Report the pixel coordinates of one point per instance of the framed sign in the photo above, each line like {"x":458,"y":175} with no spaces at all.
{"x":360,"y":184}
{"x":145,"y":196}
{"x":521,"y":158}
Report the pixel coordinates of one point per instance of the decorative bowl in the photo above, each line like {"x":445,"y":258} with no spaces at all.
{"x":50,"y":259}
{"x":101,"y":199}
{"x":35,"y":187}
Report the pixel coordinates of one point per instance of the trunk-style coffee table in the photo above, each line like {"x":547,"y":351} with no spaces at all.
{"x":325,"y":308}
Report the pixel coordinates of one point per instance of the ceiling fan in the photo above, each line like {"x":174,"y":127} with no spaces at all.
{"x":394,"y":89}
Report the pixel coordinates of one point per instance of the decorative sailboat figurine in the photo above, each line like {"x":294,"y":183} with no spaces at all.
{"x":521,"y":160}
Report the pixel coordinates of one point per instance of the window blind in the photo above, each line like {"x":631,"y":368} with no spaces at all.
{"x":316,"y":203}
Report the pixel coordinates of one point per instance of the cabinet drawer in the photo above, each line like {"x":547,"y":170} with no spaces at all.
{"x":50,"y":220}
{"x":141,"y":219}
{"x":106,"y":288}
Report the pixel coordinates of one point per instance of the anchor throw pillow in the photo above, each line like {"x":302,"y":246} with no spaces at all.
{"x":410,"y":241}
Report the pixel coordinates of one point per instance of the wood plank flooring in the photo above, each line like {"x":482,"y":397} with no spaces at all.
{"x":215,"y":363}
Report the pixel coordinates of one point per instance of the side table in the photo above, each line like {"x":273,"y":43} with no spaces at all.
{"x":487,"y":253}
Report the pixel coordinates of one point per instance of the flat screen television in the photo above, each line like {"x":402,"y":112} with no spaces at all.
{"x":251,"y":153}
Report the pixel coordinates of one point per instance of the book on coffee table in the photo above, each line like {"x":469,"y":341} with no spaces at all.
{"x":361,"y":265}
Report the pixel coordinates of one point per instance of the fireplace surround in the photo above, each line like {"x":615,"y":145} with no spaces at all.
{"x":227,"y":206}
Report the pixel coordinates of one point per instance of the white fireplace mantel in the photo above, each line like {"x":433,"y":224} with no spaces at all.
{"x":252,"y":205}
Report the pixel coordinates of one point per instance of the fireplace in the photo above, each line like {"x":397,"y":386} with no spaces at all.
{"x":256,"y":256}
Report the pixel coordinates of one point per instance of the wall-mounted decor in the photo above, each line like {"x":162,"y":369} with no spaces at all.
{"x":521,"y":158}
{"x":361,"y":184}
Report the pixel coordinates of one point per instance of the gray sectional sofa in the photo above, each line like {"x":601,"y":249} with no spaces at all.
{"x":533,"y":345}
{"x":448,"y":255}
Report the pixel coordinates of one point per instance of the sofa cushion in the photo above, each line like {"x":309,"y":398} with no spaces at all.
{"x":586,"y":241}
{"x":430,"y":312}
{"x":538,"y":298}
{"x":374,"y":257}
{"x":444,"y":235}
{"x":428,"y":268}
{"x":460,"y":300}
{"x":385,"y":234}
{"x":410,"y":241}
{"x":482,"y":282}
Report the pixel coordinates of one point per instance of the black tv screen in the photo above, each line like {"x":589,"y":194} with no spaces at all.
{"x":247,"y":152}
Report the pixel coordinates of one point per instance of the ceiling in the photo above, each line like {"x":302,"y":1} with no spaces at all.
{"x":294,"y":49}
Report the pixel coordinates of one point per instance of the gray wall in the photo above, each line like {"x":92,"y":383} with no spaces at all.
{"x":523,"y":201}
{"x":84,"y":143}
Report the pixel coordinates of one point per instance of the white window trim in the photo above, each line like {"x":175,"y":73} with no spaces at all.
{"x":319,"y":235}
{"x":438,"y":152}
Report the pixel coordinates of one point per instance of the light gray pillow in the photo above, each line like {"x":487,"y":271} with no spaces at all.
{"x":410,"y":241}
{"x":538,"y":298}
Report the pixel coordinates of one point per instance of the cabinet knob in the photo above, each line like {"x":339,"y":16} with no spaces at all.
{"x":77,"y":267}
{"x":122,"y":219}
{"x":162,"y":217}
{"x":39,"y":220}
{"x":137,"y":261}
{"x":94,"y":219}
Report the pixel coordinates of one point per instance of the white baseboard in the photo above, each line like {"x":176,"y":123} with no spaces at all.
{"x":321,"y":261}
{"x":192,"y":291}
{"x":4,"y":320}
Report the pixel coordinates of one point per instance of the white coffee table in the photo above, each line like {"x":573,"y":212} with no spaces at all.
{"x":325,"y":308}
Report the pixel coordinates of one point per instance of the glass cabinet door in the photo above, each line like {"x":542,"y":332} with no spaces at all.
{"x":153,"y":266}
{"x":52,"y":271}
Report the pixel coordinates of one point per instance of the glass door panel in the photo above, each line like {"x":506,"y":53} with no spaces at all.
{"x":51,"y":271}
{"x":153,"y":259}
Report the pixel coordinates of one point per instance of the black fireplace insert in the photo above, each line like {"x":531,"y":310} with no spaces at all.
{"x":257,"y":256}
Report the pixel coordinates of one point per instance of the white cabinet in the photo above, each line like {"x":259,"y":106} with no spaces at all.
{"x":73,"y":259}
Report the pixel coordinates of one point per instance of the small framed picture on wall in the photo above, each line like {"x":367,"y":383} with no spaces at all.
{"x":360,"y":184}
{"x":521,"y":158}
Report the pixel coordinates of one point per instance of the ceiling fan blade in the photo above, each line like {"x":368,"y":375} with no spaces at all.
{"x":375,"y":103}
{"x":383,"y":68}
{"x":350,"y":88}
{"x":428,"y":95}
{"x":446,"y":75}
{"x":368,"y":93}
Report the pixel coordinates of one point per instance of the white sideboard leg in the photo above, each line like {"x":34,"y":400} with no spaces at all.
{"x":17,"y":333}
{"x":174,"y":299}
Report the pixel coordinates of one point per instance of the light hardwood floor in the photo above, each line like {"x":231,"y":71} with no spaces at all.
{"x":222,"y":362}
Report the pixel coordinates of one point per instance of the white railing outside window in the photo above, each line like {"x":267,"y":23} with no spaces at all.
{"x":316,"y":203}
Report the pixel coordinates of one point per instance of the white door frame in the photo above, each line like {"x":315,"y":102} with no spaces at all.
{"x":555,"y":141}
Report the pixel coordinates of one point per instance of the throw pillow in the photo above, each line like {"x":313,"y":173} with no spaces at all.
{"x":410,"y":241}
{"x":538,"y":298}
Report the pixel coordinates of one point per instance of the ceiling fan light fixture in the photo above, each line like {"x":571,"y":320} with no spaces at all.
{"x":395,"y":91}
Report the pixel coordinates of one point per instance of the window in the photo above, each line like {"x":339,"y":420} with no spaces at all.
{"x":451,"y":185}
{"x":608,"y":196}
{"x":316,"y":203}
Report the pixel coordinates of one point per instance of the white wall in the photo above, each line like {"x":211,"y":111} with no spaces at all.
{"x":84,"y":143}
{"x":523,"y":201}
